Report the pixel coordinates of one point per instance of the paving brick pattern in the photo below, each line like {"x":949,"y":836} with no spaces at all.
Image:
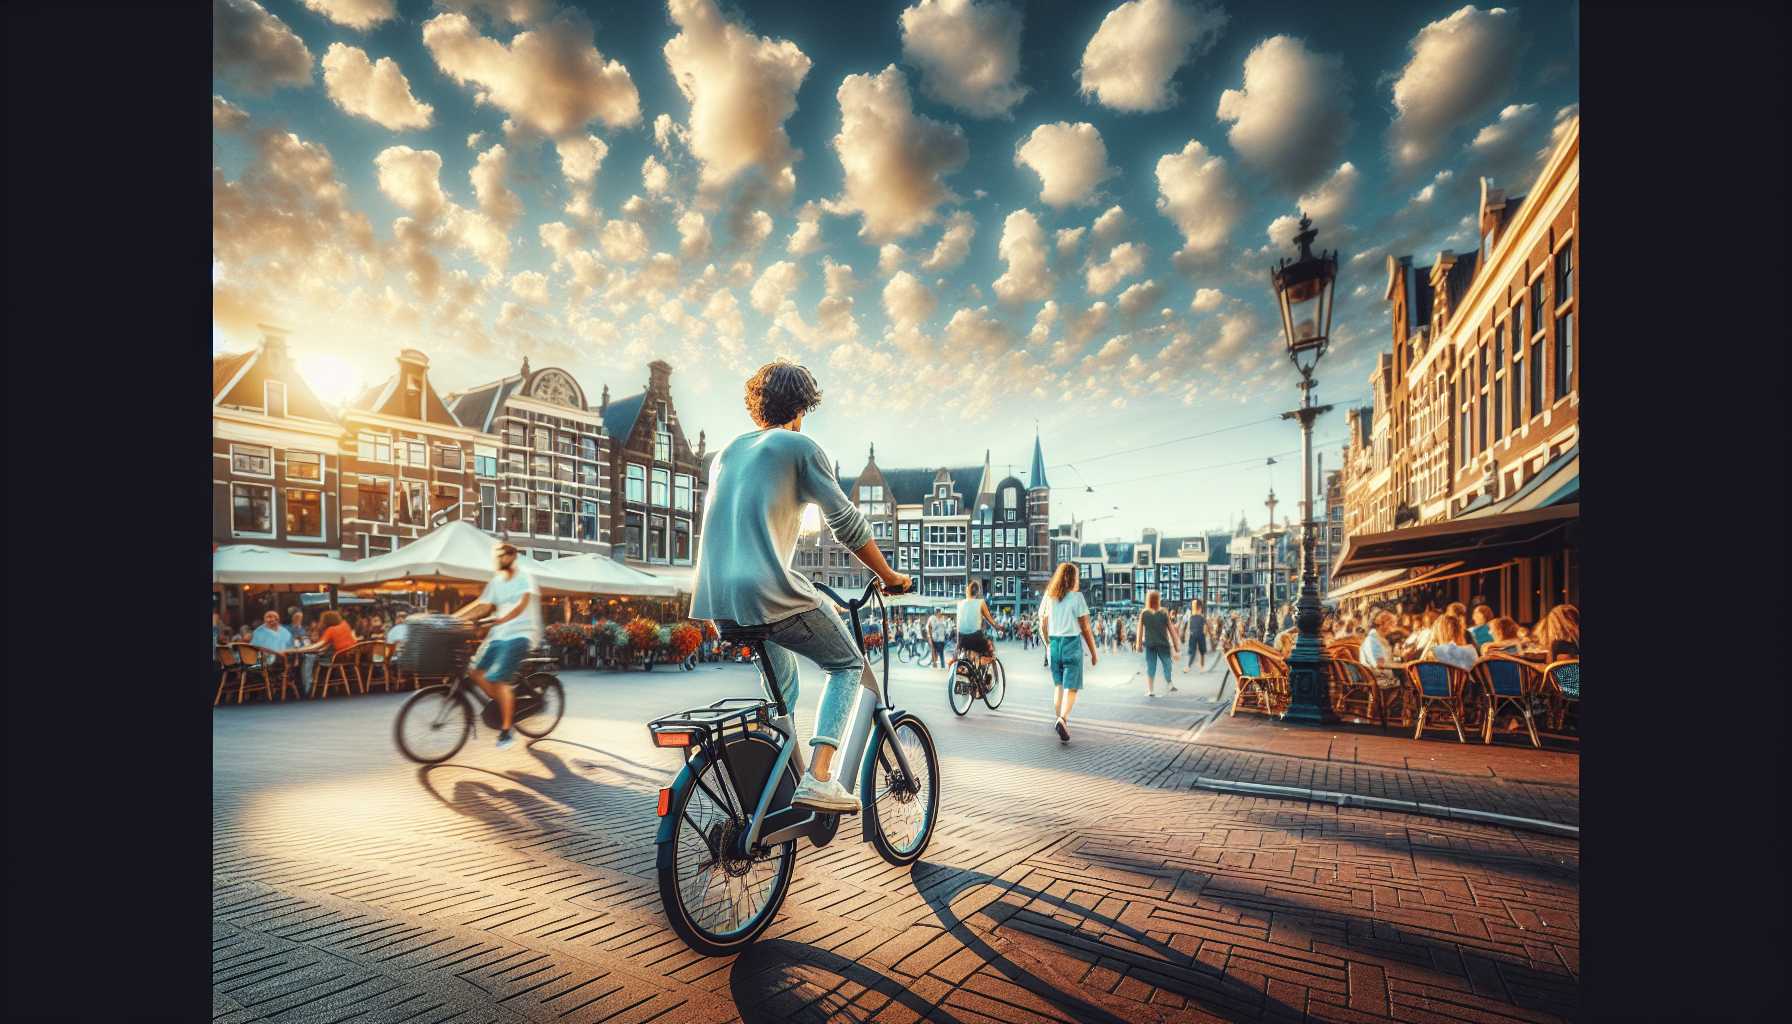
{"x":1072,"y":884}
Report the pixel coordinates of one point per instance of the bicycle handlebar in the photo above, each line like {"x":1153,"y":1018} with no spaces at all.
{"x":864,"y":598}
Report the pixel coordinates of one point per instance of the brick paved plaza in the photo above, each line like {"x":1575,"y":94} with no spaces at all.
{"x":1099,"y":881}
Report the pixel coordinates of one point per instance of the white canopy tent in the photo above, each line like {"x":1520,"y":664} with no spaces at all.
{"x":682,"y":580}
{"x":596,"y":574}
{"x":254,"y":564}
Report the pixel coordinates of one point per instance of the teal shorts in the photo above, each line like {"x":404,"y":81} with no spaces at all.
{"x":1066,"y":659}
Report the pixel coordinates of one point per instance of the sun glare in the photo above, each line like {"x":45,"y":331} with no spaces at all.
{"x":330,"y":377}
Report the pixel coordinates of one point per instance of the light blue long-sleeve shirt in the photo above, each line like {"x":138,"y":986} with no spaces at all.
{"x":757,"y":490}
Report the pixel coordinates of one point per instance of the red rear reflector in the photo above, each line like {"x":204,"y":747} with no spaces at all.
{"x":665,"y":801}
{"x":671,"y":739}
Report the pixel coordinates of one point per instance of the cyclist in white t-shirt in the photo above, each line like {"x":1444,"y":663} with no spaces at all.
{"x":512,"y":596}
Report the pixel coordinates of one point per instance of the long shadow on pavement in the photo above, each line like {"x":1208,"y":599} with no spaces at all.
{"x":764,"y":980}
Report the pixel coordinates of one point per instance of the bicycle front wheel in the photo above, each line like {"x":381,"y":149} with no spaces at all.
{"x":718,"y":902}
{"x":550,"y":703}
{"x":902,"y":807}
{"x":998,"y":685}
{"x":959,"y":689}
{"x":433,"y":725}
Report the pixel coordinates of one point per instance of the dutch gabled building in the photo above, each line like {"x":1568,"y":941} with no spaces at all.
{"x":656,"y":498}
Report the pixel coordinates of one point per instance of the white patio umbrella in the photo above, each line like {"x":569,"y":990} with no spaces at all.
{"x":597,"y":574}
{"x":457,"y":552}
{"x":254,"y":564}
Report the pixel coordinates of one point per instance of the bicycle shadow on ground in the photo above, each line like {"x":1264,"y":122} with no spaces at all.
{"x":1224,"y":995}
{"x":525,"y":798}
{"x":777,"y":980}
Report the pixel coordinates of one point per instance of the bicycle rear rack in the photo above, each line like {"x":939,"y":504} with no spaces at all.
{"x":710,"y":727}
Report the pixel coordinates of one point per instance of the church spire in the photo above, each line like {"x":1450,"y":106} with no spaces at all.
{"x":1038,"y":473}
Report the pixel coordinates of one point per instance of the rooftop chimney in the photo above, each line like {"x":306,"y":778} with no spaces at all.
{"x":659,"y":374}
{"x":413,"y":377}
{"x":604,"y":406}
{"x":273,"y":343}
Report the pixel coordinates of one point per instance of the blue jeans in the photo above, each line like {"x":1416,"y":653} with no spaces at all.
{"x":1155,"y":656}
{"x":820,"y":636}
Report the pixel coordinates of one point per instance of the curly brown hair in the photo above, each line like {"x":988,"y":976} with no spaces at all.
{"x":780,"y":392}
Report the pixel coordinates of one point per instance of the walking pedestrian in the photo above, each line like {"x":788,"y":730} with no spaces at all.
{"x":1196,"y":632}
{"x":1065,"y":615}
{"x":936,"y":635}
{"x":1156,"y":636}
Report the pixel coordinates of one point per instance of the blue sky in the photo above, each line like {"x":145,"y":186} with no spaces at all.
{"x":489,"y":179}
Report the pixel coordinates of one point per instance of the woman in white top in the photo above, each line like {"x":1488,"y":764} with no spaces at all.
{"x":1450,"y":643}
{"x":1064,"y":618}
{"x":1376,"y":652}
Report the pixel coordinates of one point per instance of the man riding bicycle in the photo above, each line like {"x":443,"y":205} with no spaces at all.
{"x":512,"y":596}
{"x":759,"y":485}
{"x":972,"y":615}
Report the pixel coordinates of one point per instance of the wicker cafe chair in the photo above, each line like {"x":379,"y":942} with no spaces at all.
{"x":1350,"y":647}
{"x":230,"y":665}
{"x":376,"y":664}
{"x":1436,"y":686}
{"x":252,"y":674}
{"x":1356,"y":690}
{"x":334,"y":669}
{"x":1505,"y":680}
{"x":1261,"y":675}
{"x":1560,"y":689}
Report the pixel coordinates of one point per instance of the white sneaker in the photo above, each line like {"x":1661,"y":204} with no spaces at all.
{"x":830,"y":796}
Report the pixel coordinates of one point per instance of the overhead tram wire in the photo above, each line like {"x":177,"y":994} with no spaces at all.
{"x":1255,"y":460}
{"x":1177,"y":440}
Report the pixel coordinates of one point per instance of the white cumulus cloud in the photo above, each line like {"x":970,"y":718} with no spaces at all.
{"x":1207,"y":300}
{"x":1070,"y":159}
{"x":895,"y":160}
{"x":774,"y":286}
{"x":256,"y":50}
{"x":1196,"y":191}
{"x":1028,"y":278}
{"x":375,"y":90}
{"x":355,"y":14}
{"x":741,"y":88}
{"x":954,"y":243}
{"x":496,"y":200}
{"x":1139,"y":297}
{"x":1332,"y":198}
{"x":693,"y":236}
{"x":968,"y":53}
{"x":1292,"y":116}
{"x":1460,"y":66}
{"x":1129,"y":63}
{"x":907,"y":302}
{"x":1123,"y":261}
{"x":551,"y":77}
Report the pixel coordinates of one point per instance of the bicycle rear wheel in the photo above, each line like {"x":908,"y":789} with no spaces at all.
{"x":901,"y":809}
{"x":959,"y":690}
{"x":433,"y":725}
{"x":717,"y":902}
{"x":550,"y":705}
{"x":998,"y":685}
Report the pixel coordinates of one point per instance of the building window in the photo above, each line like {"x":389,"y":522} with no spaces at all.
{"x":488,"y":508}
{"x":1565,"y":273}
{"x":588,"y":520}
{"x":273,"y":397}
{"x":304,"y":466}
{"x":1564,"y":353}
{"x":656,"y":540}
{"x":563,"y":471}
{"x":1538,"y":305}
{"x":252,"y":510}
{"x":485,"y":460}
{"x":448,"y":456}
{"x":544,"y":440}
{"x":588,"y":448}
{"x":444,"y":503}
{"x":516,"y":436}
{"x":563,"y":518}
{"x":636,"y":486}
{"x":371,"y":545}
{"x":631,"y":532}
{"x":662,"y":434}
{"x":411,"y":507}
{"x":662,"y":480}
{"x":373,"y":447}
{"x":1515,"y":375}
{"x":252,"y":460}
{"x":373,"y":499}
{"x":542,"y":522}
{"x":1536,"y":368}
{"x":304,"y":514}
{"x":416,"y":454}
{"x":681,"y":492}
{"x":681,"y":541}
{"x":588,"y":475}
{"x":1481,"y":397}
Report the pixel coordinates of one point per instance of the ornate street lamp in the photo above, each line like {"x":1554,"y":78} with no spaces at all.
{"x":1304,"y":289}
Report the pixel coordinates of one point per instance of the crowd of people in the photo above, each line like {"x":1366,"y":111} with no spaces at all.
{"x":274,"y":637}
{"x":1458,"y":634}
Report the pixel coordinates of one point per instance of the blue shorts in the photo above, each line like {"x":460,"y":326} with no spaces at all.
{"x":501,"y":657}
{"x":1066,"y":659}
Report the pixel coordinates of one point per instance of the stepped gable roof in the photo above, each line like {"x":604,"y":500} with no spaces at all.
{"x":226,"y":366}
{"x":620,"y":416}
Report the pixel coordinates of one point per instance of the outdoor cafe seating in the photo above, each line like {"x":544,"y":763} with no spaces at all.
{"x":1262,"y":678}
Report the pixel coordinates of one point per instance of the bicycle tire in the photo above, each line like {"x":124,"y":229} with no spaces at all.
{"x":553,"y":704}
{"x":882,"y":802}
{"x":959,"y":690}
{"x":672,"y":856}
{"x":998,"y":685}
{"x":453,"y":714}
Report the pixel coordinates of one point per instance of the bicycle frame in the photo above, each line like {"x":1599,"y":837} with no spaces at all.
{"x":872,"y":708}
